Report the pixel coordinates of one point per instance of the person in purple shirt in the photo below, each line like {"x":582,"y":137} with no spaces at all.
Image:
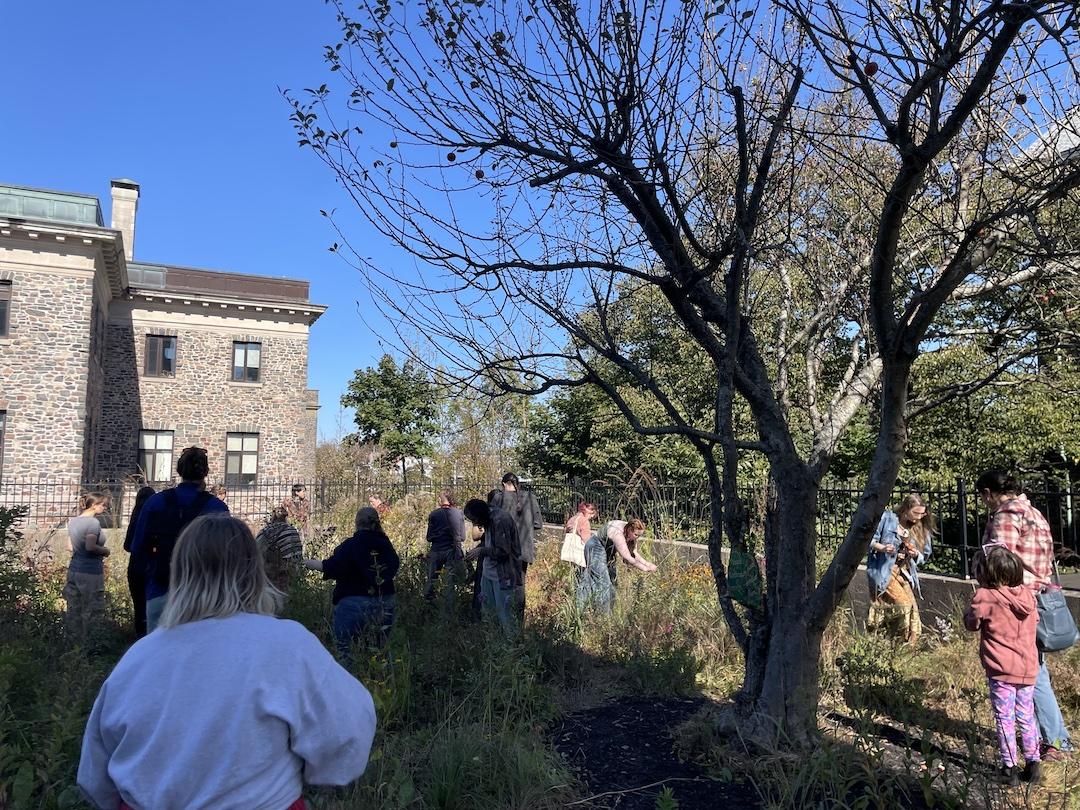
{"x":162,"y":519}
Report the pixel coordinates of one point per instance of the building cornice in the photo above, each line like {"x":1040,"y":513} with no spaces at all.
{"x":106,"y":240}
{"x":248,"y":306}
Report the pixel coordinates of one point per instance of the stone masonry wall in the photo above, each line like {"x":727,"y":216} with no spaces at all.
{"x":201,"y":404}
{"x":95,"y":383}
{"x":43,"y":369}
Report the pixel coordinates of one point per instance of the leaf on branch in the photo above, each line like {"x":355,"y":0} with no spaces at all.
{"x":390,"y":85}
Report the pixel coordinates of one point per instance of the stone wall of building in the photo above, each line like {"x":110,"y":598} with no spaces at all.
{"x":201,"y":404}
{"x":44,"y":361}
{"x":95,"y":383}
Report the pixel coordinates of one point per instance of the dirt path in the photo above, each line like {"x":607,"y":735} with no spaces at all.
{"x":623,"y":752}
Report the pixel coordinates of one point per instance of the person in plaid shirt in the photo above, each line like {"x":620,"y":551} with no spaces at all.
{"x":1021,"y":528}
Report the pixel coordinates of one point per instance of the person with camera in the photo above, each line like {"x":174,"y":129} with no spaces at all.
{"x":901,"y":543}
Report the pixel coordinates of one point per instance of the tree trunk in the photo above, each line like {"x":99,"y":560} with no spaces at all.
{"x":779,"y":698}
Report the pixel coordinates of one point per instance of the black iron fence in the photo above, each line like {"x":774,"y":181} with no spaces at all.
{"x":674,"y":511}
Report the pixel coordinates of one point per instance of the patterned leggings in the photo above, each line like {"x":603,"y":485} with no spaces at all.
{"x":1015,"y":706}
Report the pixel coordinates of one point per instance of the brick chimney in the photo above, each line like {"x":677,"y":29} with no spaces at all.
{"x":125,"y":202}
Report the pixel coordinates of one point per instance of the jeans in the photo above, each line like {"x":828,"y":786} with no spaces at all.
{"x":136,"y":579}
{"x":154,"y":608}
{"x":450,"y":564}
{"x":503,"y":602}
{"x":358,"y":617}
{"x":1047,"y":712}
{"x":594,"y":584}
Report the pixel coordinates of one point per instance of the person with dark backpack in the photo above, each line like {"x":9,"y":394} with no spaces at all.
{"x":162,"y":519}
{"x":523,"y":507}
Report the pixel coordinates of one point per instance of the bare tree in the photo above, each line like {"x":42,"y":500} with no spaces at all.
{"x":803,"y":187}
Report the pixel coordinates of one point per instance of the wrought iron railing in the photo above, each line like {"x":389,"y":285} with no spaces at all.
{"x":673,"y":510}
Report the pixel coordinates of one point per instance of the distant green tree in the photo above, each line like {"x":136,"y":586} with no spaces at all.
{"x":396,"y":409}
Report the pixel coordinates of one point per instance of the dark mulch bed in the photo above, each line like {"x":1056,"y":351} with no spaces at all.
{"x":620,"y":748}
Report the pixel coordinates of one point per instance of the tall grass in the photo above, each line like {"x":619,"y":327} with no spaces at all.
{"x":463,"y":712}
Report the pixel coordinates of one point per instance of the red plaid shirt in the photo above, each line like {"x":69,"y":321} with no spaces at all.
{"x":1022,"y":529}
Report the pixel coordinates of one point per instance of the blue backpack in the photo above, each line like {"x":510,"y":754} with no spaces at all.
{"x":163,"y":530}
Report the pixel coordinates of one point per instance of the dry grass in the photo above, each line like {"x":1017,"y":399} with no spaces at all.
{"x":900,"y":728}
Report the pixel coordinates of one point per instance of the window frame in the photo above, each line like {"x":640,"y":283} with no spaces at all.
{"x":5,"y":307}
{"x":160,"y":341}
{"x":152,"y":454}
{"x":236,"y":479}
{"x":246,"y":367}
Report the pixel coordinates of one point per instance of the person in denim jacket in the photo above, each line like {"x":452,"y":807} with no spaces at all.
{"x":901,"y":543}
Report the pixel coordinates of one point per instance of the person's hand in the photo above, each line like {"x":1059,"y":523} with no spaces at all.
{"x":105,"y":552}
{"x":473,"y":553}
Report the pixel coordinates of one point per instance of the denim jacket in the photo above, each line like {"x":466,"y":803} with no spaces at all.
{"x":879,"y":564}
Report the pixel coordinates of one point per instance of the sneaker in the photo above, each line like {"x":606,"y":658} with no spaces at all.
{"x":1010,"y":776}
{"x":1051,"y":754}
{"x":1032,"y":772}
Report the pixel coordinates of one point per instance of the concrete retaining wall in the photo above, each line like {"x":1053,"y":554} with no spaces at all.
{"x":942,"y":596}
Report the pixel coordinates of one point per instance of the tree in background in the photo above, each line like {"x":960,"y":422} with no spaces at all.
{"x":395,"y":409}
{"x":811,"y":193}
{"x":481,"y":437}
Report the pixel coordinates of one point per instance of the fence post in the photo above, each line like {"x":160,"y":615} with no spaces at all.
{"x":961,"y":498}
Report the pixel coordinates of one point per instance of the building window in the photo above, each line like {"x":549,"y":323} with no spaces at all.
{"x":247,"y":358}
{"x":155,"y":454}
{"x":241,"y":459}
{"x":5,"y":307}
{"x":160,"y":356}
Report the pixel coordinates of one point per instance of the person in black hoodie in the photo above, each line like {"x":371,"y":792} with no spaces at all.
{"x":364,"y":567}
{"x":136,"y":576}
{"x":523,"y":507}
{"x":502,"y":592}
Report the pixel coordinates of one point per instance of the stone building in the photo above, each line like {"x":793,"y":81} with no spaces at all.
{"x":110,"y":366}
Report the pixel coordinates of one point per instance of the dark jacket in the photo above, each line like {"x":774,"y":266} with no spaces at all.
{"x":446,"y":529}
{"x":364,"y":565}
{"x":524,"y":509}
{"x":501,"y":545}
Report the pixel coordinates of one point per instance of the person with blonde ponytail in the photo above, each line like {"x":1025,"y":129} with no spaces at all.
{"x":224,"y":706}
{"x":84,"y":591}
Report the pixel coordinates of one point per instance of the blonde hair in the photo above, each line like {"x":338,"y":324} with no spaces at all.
{"x":217,"y":571}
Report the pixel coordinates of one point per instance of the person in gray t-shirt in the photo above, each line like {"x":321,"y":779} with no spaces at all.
{"x":85,"y":588}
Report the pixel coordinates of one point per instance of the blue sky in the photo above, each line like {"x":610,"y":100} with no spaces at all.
{"x":183,"y":99}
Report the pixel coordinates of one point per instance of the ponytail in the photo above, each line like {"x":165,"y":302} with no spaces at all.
{"x":998,"y":482}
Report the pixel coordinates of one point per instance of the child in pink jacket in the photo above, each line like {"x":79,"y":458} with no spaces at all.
{"x":1004,"y":613}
